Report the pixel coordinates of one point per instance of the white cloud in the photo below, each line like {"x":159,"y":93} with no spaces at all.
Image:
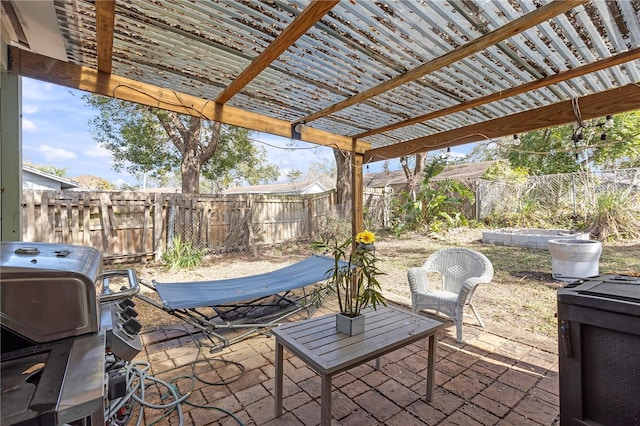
{"x":34,"y":90}
{"x":29,"y":109}
{"x":56,"y":154}
{"x":98,"y":152}
{"x":28,"y":126}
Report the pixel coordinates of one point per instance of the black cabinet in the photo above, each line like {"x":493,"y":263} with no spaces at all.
{"x":599,"y":351}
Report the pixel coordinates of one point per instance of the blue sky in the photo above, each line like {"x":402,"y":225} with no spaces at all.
{"x":56,"y":132}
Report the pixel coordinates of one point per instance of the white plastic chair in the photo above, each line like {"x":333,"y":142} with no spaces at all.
{"x":461,"y":270}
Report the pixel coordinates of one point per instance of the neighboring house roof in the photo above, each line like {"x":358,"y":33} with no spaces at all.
{"x":33,"y":178}
{"x":382,"y":179}
{"x":464,"y":171}
{"x":452,"y":171}
{"x":279,"y":188}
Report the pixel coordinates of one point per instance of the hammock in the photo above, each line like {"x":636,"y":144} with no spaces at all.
{"x":184,"y":299}
{"x":312,"y":270}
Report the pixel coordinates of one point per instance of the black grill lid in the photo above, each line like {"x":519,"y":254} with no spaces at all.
{"x":619,"y":293}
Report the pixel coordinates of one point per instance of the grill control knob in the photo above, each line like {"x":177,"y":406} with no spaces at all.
{"x":131,"y":326}
{"x":126,"y":303}
{"x":129,"y":312}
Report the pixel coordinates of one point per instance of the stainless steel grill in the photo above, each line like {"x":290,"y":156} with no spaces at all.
{"x":61,"y":323}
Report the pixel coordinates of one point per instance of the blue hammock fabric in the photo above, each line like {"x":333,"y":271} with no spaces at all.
{"x":189,"y":295}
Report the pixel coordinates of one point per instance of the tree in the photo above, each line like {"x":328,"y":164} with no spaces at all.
{"x":94,"y":182}
{"x":57,"y":171}
{"x":294,"y":175}
{"x":323,"y":172}
{"x":134,"y":137}
{"x":151,"y":141}
{"x":621,"y":148}
{"x":413,"y":167}
{"x":238,"y":160}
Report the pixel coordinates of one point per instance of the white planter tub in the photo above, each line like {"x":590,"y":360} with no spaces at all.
{"x":574,"y":259}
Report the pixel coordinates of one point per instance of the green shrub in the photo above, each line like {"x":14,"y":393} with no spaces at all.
{"x":334,"y":227}
{"x":437,"y":205}
{"x":615,"y":216}
{"x":182,"y":255}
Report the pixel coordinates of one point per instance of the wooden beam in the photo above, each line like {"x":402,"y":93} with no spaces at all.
{"x":65,"y":74}
{"x":300,"y":25}
{"x":622,"y":99}
{"x":538,"y":16}
{"x":627,"y":56}
{"x":105,"y":23}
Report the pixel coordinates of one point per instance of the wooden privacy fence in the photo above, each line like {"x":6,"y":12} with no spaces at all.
{"x":141,"y":225}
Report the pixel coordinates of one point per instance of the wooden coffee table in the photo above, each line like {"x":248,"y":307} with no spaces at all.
{"x":327,"y":352}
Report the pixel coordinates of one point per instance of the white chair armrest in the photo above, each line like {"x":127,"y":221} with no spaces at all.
{"x":469,"y":287}
{"x":417,"y":280}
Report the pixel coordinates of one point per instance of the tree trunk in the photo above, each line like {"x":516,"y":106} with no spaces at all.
{"x":343,"y":181}
{"x":414,"y":177}
{"x":194,"y":149}
{"x":190,"y":170}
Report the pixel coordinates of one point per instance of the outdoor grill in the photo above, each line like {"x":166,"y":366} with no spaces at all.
{"x":63,"y":328}
{"x":599,"y":351}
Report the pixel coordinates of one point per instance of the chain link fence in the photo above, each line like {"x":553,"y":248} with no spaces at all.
{"x":553,"y":197}
{"x":536,"y":200}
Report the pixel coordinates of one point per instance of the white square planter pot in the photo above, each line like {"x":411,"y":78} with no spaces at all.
{"x":350,"y":326}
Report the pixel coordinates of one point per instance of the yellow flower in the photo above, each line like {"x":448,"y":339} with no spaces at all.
{"x":365,"y":237}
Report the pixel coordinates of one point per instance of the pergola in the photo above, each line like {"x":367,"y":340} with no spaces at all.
{"x":379,"y":79}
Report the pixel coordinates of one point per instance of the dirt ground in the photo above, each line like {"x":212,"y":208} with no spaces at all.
{"x":521,"y":299}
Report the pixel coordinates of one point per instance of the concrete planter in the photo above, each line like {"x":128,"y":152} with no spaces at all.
{"x":574,"y":259}
{"x":530,"y":237}
{"x":350,"y":326}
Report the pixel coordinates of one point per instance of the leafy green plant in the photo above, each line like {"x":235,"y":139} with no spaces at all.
{"x":182,"y":255}
{"x":436,"y":207}
{"x":501,"y":170}
{"x":354,"y":276}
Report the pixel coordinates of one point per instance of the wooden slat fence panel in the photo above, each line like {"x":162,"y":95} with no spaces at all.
{"x":125,"y":225}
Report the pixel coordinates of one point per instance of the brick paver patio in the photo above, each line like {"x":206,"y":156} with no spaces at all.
{"x":494,"y":378}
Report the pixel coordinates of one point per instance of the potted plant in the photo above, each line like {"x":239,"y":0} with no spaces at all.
{"x":354,"y":279}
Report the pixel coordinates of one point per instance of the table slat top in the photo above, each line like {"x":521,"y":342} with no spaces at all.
{"x":325,"y":350}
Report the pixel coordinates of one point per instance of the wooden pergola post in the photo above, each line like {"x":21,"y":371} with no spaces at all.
{"x":357,"y":193}
{"x":357,"y":204}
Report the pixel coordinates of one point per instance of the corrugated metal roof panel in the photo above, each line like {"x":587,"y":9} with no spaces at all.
{"x":199,"y":48}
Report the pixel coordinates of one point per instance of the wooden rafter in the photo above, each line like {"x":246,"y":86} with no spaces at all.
{"x":609,"y":102}
{"x":518,"y":26}
{"x":307,"y":19}
{"x":105,"y":22}
{"x":78,"y":77}
{"x":627,"y":56}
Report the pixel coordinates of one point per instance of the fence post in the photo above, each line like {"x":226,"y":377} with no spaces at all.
{"x":478,"y":198}
{"x":157,"y":226}
{"x":86,"y":218}
{"x":145,"y":224}
{"x":108,"y":224}
{"x":30,"y":199}
{"x":171,"y":222}
{"x":44,"y":224}
{"x":310,"y":215}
